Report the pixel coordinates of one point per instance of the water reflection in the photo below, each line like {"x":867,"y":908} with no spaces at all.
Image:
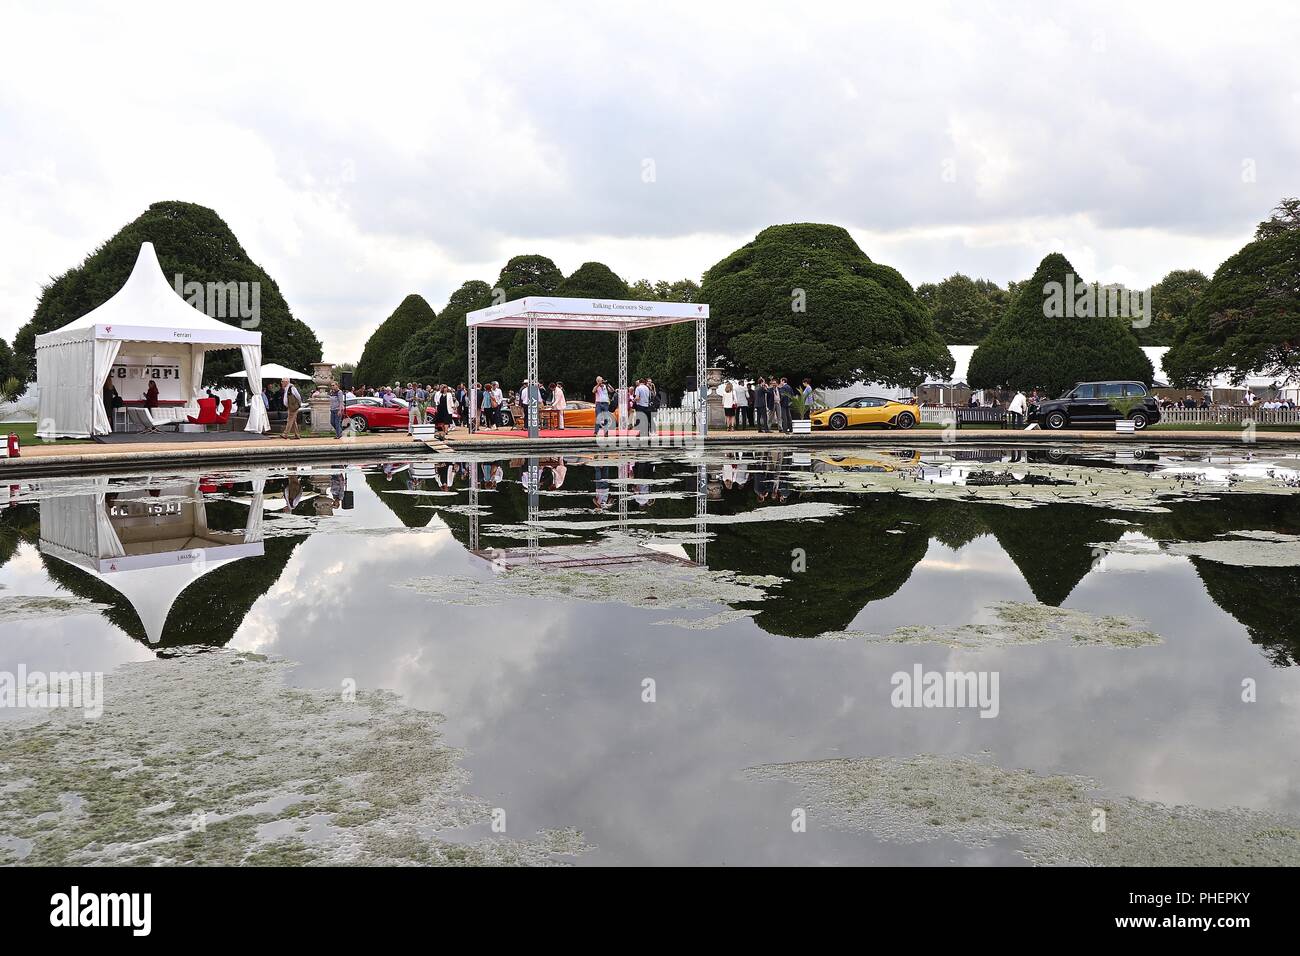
{"x":177,"y":563}
{"x":545,"y":694}
{"x":181,"y":562}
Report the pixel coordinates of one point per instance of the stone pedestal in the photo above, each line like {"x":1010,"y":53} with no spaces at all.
{"x":717,"y":420}
{"x":322,"y":373}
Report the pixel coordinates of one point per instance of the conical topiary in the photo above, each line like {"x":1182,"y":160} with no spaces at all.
{"x":1034,"y":346}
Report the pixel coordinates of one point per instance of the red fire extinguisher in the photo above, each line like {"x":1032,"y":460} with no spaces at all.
{"x":13,"y":445}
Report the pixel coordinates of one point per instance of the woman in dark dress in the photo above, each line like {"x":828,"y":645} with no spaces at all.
{"x":442,"y":416}
{"x":111,"y":400}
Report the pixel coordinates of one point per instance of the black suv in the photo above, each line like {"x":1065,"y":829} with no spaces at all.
{"x":1097,"y":403}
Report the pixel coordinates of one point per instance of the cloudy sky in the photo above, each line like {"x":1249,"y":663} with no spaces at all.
{"x":361,"y":152}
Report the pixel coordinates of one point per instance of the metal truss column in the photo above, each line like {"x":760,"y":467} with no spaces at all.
{"x":533,"y":412}
{"x":472,"y":424}
{"x":701,"y":376}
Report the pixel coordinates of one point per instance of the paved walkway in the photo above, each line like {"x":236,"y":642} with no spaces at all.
{"x":514,"y":439}
{"x":73,"y":458}
{"x":51,"y":459}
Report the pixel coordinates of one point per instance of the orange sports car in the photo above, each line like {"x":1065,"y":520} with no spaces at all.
{"x":577,"y":414}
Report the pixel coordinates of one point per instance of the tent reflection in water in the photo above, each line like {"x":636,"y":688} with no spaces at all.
{"x":149,"y":323}
{"x":149,"y":545}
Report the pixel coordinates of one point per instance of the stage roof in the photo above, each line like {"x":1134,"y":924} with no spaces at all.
{"x":607,"y":315}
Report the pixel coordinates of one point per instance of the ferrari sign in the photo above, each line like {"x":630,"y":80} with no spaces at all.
{"x":132,"y":375}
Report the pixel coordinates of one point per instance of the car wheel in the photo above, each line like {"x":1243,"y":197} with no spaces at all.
{"x":905,"y":420}
{"x":507,"y":419}
{"x":1139,"y":420}
{"x":838,"y":421}
{"x":356,"y":424}
{"x":1056,"y":420}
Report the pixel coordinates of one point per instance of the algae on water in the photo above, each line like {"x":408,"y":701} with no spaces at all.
{"x":1024,"y":485}
{"x":210,"y":759}
{"x":31,"y":607}
{"x":1020,"y":622}
{"x":1255,"y":549}
{"x":712,"y":621}
{"x":669,"y":586}
{"x":1053,"y":818}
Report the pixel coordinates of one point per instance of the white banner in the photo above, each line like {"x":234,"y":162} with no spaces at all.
{"x":623,"y":309}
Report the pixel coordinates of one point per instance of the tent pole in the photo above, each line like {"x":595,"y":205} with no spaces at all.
{"x":622,"y":378}
{"x":532,"y":412}
{"x":473,"y":503}
{"x":472,"y":424}
{"x":701,"y":513}
{"x":701,"y":376}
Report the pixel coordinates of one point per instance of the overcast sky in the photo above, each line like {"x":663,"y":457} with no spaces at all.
{"x":363,"y":151}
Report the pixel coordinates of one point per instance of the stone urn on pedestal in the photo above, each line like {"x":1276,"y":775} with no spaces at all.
{"x":717,"y":420}
{"x":322,"y":373}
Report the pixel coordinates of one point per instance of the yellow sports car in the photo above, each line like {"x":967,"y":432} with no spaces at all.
{"x":868,"y":410}
{"x":887,"y":462}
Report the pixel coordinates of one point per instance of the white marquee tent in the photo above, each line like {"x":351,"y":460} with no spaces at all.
{"x":602,"y":315}
{"x":149,"y":322}
{"x":275,"y":372}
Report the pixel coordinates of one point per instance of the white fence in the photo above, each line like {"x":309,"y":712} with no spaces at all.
{"x":675,"y":419}
{"x":1231,"y":415}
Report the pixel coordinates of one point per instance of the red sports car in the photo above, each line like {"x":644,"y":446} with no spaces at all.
{"x":369,"y":414}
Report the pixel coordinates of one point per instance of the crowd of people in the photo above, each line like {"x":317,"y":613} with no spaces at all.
{"x":448,"y":406}
{"x":766,"y":475}
{"x":767,"y":403}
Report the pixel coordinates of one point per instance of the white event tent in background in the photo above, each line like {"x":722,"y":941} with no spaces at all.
{"x":73,"y":362}
{"x":273,"y":371}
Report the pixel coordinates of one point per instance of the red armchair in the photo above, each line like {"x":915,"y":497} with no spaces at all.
{"x":208,"y":414}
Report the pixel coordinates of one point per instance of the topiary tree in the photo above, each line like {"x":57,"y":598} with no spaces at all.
{"x":963,"y":310}
{"x":6,"y":361}
{"x":1027,"y":349}
{"x":803,"y":300}
{"x":529,"y":275}
{"x":438,"y":353}
{"x":1248,"y":319}
{"x":380,"y":359}
{"x":194,"y":242}
{"x":576,"y":358}
{"x":667,"y":353}
{"x":1172,"y":299}
{"x":521,"y":276}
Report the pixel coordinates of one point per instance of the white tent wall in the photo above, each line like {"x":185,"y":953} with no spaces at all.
{"x":198,"y":354}
{"x":67,"y":409}
{"x":105,"y":355}
{"x":79,"y":527}
{"x":258,"y":420}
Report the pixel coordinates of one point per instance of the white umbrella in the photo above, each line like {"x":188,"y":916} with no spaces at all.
{"x":273,"y":372}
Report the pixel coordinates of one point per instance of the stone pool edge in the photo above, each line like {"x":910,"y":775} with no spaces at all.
{"x":39,"y":462}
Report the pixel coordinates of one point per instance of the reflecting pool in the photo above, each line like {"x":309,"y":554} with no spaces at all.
{"x":885,"y":655}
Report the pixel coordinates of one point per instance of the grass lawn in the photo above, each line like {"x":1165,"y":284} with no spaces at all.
{"x":26,"y":432}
